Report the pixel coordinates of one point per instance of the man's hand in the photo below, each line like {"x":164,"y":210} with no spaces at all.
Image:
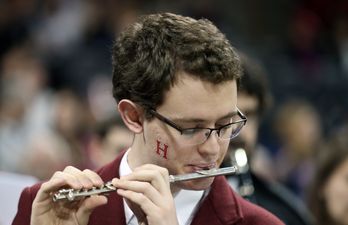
{"x":47,"y":212}
{"x":147,"y":191}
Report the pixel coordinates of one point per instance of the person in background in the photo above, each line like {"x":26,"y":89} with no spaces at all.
{"x":256,"y":180}
{"x":299,"y":130}
{"x":110,"y":138}
{"x":328,"y":196}
{"x":46,"y":153}
{"x":175,"y":84}
{"x":25,"y":101}
{"x":72,"y":121}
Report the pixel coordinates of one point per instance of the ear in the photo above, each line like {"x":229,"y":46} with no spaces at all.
{"x":132,"y":115}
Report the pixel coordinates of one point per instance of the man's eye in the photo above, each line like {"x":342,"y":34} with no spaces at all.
{"x":190,"y":131}
{"x":226,"y":126}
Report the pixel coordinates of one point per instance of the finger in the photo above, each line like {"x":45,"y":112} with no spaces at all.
{"x":82,"y":177}
{"x":144,"y":188}
{"x":149,"y":178}
{"x":94,"y":177}
{"x":155,"y":177}
{"x":138,"y":198}
{"x":58,"y":180}
{"x":87,"y":207}
{"x":152,"y":211}
{"x":163,"y":171}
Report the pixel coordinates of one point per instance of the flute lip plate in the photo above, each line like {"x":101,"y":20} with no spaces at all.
{"x":203,"y":173}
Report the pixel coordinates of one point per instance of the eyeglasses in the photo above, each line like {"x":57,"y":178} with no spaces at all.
{"x":196,"y":136}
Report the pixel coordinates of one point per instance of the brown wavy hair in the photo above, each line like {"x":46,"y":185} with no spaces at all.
{"x":148,"y":55}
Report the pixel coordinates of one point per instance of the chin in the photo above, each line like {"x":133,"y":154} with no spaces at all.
{"x":198,"y":184}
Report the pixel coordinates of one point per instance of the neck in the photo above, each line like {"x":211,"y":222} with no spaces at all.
{"x":138,"y":156}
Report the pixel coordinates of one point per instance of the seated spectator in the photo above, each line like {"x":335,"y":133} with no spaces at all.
{"x":328,"y":198}
{"x":298,"y":127}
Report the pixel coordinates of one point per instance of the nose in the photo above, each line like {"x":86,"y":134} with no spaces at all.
{"x":211,"y":146}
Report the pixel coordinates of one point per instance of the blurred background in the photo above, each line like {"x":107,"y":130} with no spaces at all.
{"x":56,"y":107}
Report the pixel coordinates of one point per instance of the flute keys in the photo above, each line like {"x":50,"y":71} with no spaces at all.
{"x":63,"y":194}
{"x":71,"y":194}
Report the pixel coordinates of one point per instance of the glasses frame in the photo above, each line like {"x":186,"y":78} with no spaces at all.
{"x":218,"y":130}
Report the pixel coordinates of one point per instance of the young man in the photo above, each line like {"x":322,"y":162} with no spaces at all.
{"x":174,"y":78}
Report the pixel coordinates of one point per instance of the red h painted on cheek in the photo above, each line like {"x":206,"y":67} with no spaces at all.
{"x":162,"y":149}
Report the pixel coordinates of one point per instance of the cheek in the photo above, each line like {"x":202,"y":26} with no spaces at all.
{"x":170,"y":150}
{"x":162,"y":145}
{"x":162,"y":149}
{"x":223,"y":149}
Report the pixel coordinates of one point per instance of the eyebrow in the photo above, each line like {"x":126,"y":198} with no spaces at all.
{"x":198,"y":120}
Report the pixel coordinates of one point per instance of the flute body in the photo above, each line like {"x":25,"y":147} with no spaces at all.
{"x":72,"y":194}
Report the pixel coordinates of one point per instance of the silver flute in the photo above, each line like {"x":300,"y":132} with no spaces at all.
{"x":73,"y":194}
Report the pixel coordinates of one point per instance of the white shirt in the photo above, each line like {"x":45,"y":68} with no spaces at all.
{"x":186,"y":201}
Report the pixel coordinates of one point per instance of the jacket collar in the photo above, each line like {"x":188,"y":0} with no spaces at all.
{"x":221,"y":206}
{"x":113,"y":211}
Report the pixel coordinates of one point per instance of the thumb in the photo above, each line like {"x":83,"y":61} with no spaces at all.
{"x":87,"y":207}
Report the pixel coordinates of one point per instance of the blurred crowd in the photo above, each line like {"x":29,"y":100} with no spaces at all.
{"x":56,"y":106}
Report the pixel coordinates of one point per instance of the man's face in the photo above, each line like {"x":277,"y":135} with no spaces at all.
{"x":191,"y":103}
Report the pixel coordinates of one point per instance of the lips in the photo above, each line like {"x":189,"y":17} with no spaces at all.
{"x":201,"y":166}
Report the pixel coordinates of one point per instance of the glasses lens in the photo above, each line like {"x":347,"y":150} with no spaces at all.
{"x":198,"y":136}
{"x":231,"y":131}
{"x":236,"y":129}
{"x":194,"y":136}
{"x":226,"y":131}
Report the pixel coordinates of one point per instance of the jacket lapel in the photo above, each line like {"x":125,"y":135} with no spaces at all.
{"x":113,"y":211}
{"x":220,"y":207}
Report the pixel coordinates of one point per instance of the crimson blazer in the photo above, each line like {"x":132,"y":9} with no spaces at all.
{"x":221,"y":207}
